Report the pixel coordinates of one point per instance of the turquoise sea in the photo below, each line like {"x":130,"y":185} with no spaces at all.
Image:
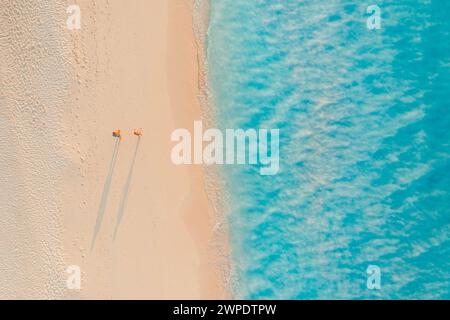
{"x":364,"y":119}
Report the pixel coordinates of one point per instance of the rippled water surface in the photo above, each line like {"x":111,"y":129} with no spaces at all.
{"x":365,"y":146}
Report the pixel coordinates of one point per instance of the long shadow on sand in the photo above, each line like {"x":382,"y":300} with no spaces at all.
{"x":105,"y":193}
{"x":126,"y":188}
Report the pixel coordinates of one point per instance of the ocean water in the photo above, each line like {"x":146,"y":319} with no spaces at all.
{"x":364,"y":118}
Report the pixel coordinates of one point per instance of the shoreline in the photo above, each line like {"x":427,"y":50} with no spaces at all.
{"x":212,"y":180}
{"x":196,"y":20}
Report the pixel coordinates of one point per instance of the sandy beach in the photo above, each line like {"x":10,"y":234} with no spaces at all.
{"x":137,"y":225}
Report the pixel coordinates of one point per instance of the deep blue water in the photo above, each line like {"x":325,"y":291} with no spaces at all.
{"x":364,"y":119}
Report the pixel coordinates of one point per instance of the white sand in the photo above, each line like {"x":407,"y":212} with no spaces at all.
{"x":34,"y":85}
{"x":133,"y":64}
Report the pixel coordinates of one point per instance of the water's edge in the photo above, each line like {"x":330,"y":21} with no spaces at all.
{"x":220,"y":250}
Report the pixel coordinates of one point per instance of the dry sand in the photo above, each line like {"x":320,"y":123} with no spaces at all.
{"x":137,"y":225}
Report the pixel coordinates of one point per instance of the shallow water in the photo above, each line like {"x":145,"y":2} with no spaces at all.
{"x":364,"y":150}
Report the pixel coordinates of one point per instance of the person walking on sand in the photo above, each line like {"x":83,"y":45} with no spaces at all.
{"x":138,"y":132}
{"x":116,"y":134}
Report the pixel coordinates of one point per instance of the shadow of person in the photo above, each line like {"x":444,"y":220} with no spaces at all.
{"x":105,"y":193}
{"x":126,"y":188}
